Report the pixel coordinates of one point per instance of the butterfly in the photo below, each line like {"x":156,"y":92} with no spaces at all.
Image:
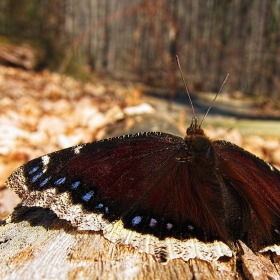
{"x":168,"y":196}
{"x":159,"y":186}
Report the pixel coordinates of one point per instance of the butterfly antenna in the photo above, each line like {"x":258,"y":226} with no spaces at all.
{"x":178,"y":62}
{"x":214,"y":99}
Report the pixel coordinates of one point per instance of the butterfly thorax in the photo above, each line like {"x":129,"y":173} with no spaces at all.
{"x":200,"y":151}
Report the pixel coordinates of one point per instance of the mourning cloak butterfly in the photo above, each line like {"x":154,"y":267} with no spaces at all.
{"x":169,"y":196}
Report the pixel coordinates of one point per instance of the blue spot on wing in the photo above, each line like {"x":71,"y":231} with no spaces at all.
{"x":75,"y":185}
{"x":169,"y":226}
{"x":190,"y":227}
{"x":45,"y":181}
{"x":36,"y":177}
{"x":99,"y":206}
{"x":153,"y":222}
{"x":136,"y":220}
{"x":33,"y":170}
{"x":88,"y":196}
{"x":60,"y":181}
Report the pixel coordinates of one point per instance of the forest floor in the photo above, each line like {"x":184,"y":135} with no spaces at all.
{"x":44,"y":112}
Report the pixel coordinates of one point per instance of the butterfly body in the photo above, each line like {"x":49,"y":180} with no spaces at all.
{"x":160,"y":186}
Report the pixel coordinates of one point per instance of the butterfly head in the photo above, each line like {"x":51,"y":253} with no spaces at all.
{"x":195,"y":128}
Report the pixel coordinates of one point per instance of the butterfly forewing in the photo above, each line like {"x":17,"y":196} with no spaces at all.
{"x":133,"y":178}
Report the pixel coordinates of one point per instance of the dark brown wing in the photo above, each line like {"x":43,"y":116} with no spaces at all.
{"x":258,"y":183}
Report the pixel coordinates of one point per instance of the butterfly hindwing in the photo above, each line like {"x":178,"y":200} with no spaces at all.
{"x":258,"y":184}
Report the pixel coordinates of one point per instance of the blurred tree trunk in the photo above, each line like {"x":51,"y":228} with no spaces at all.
{"x":139,"y":39}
